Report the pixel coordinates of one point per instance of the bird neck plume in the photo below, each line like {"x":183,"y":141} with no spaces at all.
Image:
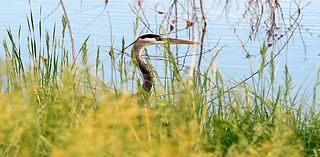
{"x":147,"y":77}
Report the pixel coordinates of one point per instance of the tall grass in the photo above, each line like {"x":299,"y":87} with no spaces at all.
{"x":53,"y":107}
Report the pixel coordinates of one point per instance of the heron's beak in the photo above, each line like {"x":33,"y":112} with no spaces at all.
{"x":180,"y":41}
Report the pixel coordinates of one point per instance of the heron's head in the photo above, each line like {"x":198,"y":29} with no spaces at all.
{"x":154,"y":39}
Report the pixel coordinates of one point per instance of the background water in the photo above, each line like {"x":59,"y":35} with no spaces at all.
{"x":227,"y":26}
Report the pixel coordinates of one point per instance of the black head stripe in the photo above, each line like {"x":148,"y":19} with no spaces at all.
{"x":155,"y":36}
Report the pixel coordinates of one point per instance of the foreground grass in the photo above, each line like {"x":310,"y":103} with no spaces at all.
{"x":64,"y":121}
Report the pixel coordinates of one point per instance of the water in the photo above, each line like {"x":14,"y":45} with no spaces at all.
{"x":107,"y":24}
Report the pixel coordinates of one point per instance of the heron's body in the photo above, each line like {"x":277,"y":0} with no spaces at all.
{"x":147,"y":76}
{"x":144,"y":41}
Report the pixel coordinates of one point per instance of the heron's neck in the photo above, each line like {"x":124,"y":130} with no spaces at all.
{"x":147,"y":77}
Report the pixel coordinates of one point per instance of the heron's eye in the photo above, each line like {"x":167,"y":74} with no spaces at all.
{"x":158,"y":38}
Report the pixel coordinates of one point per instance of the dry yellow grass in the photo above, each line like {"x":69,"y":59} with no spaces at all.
{"x":118,"y":126}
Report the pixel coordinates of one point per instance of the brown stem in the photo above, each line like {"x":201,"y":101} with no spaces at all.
{"x":70,"y":30}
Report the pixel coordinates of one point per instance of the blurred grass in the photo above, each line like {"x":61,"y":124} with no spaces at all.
{"x":54,"y":106}
{"x":66,"y":123}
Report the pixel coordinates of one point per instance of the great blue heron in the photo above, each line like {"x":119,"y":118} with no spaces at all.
{"x":152,"y":39}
